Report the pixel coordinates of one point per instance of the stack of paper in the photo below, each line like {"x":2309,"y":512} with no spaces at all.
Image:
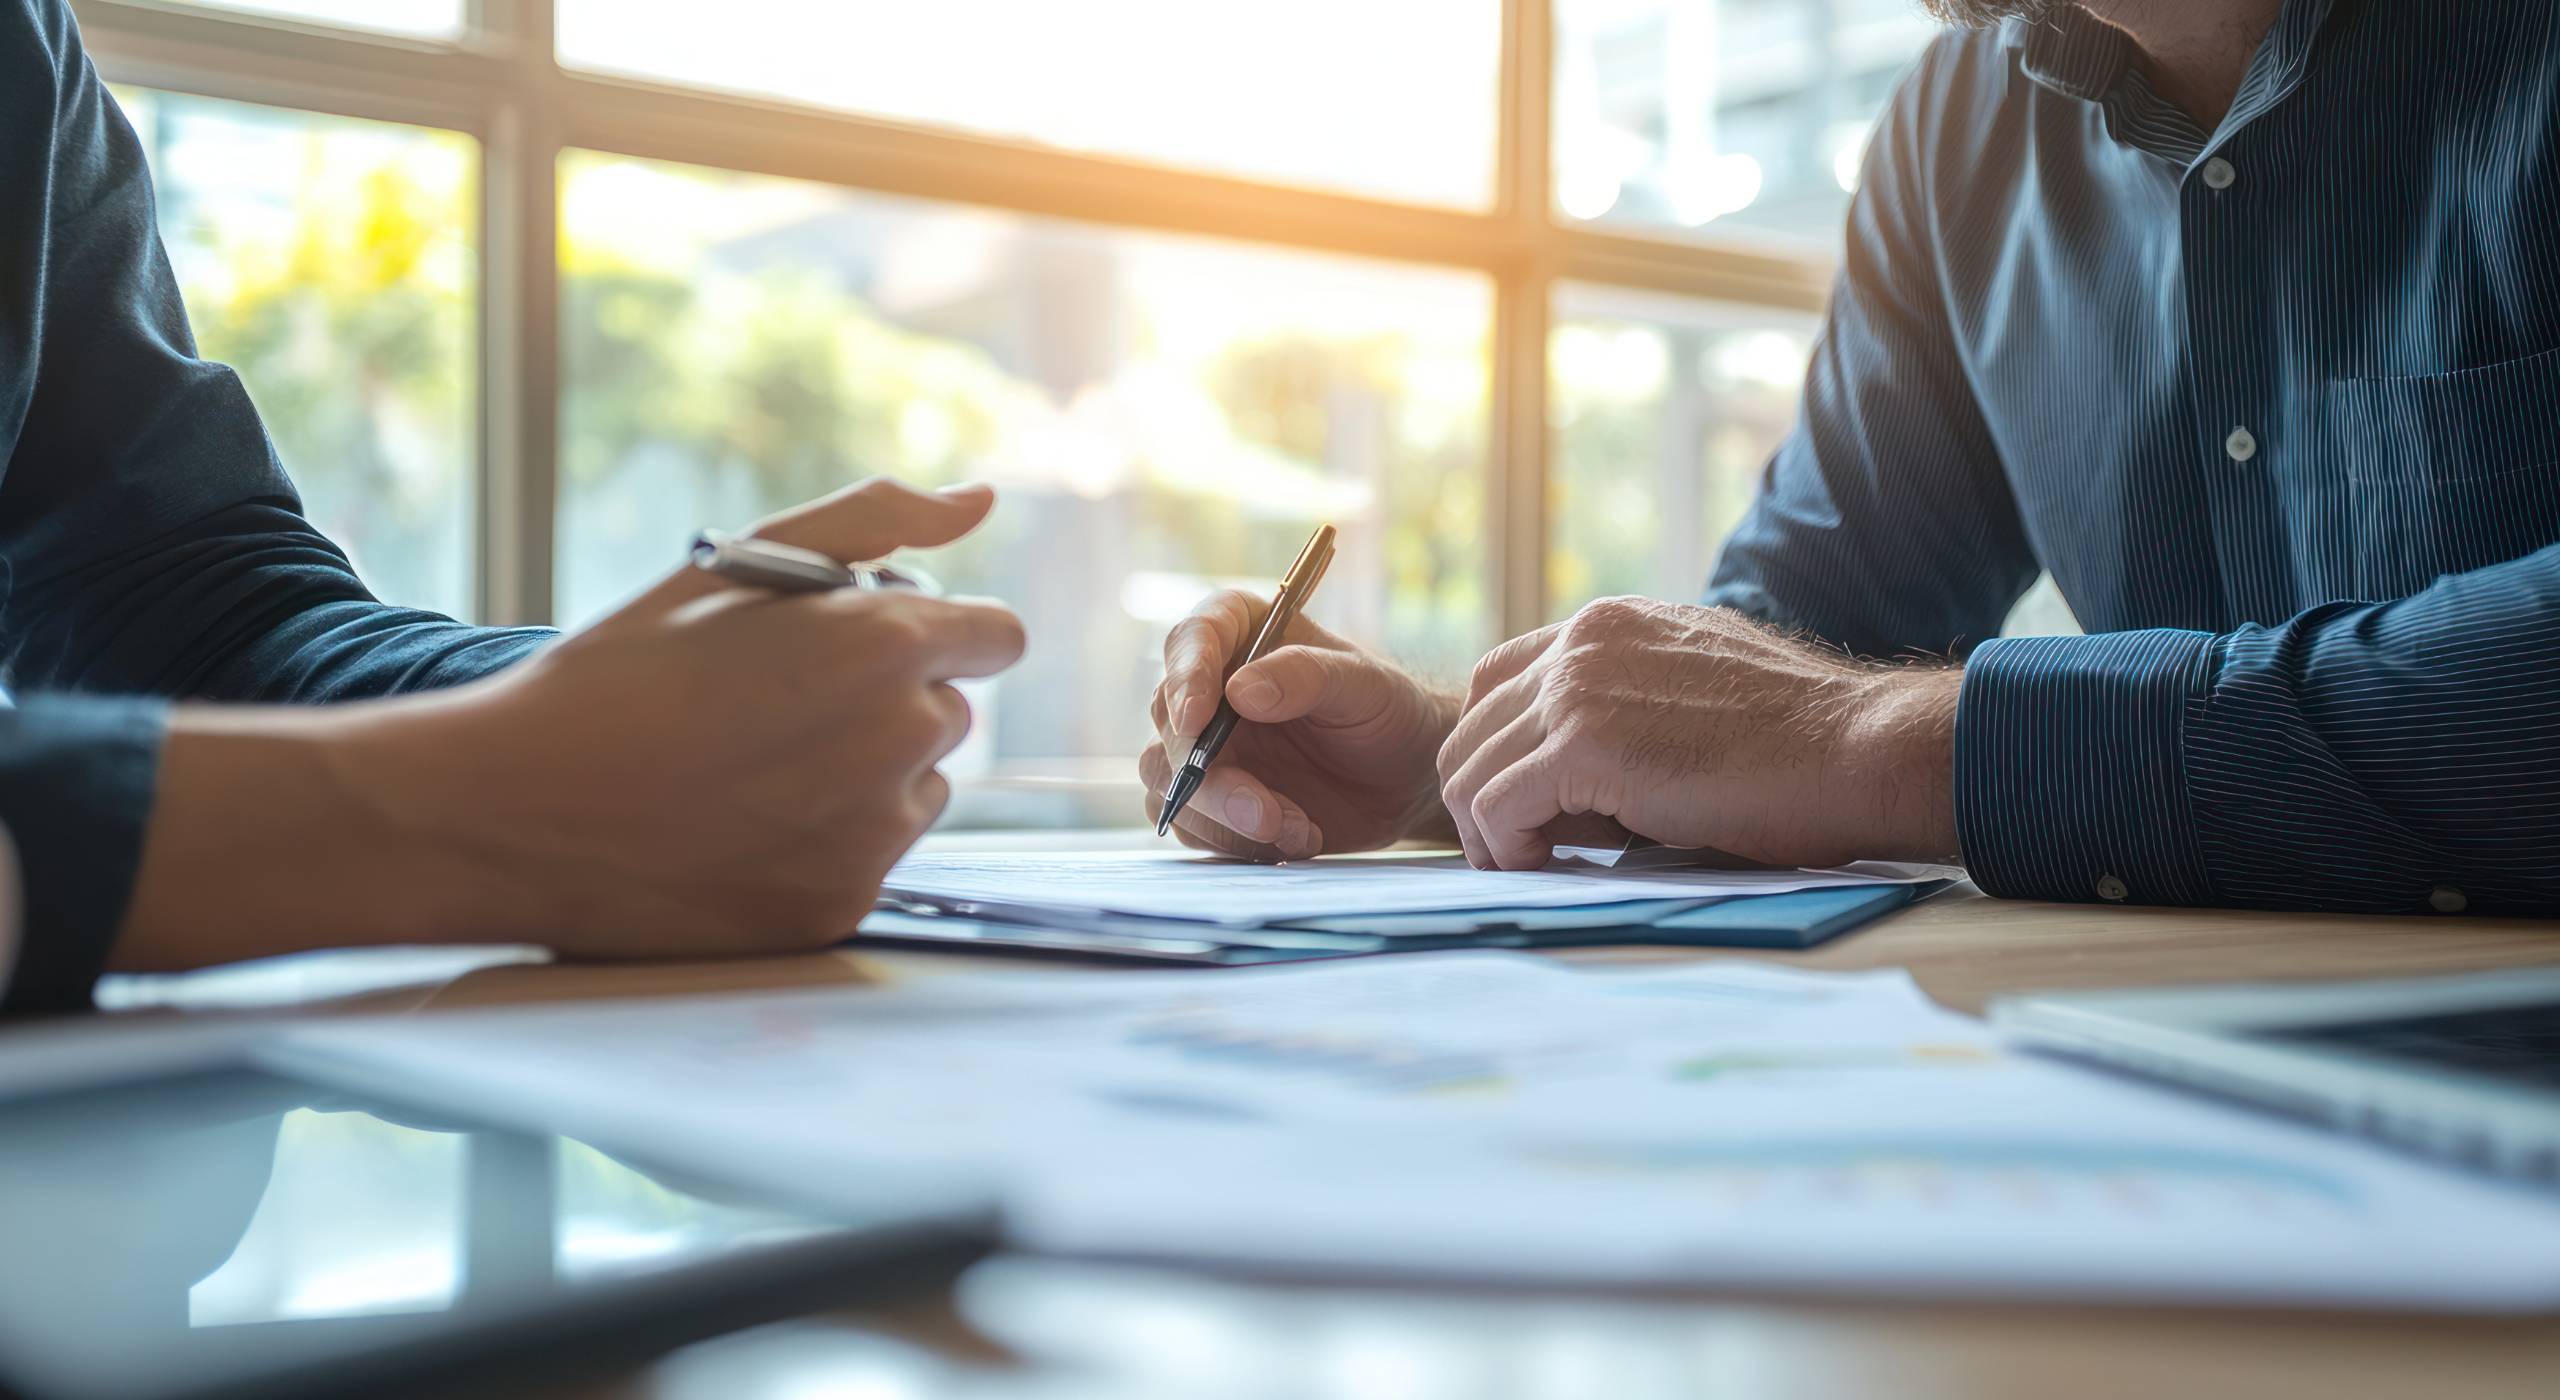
{"x":1484,"y":1114}
{"x":1238,"y":894}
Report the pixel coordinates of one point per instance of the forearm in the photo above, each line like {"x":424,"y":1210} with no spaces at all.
{"x":278,"y":830}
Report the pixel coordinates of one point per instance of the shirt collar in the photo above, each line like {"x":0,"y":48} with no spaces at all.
{"x":2078,"y":55}
{"x":2070,"y":51}
{"x":2282,"y":59}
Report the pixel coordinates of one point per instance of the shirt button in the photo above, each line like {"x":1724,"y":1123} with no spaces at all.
{"x":2218,"y":174}
{"x":2112,"y":889}
{"x":2445,"y":899}
{"x":2242,"y":444}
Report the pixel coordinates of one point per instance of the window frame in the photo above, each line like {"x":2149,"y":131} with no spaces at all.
{"x":500,"y":83}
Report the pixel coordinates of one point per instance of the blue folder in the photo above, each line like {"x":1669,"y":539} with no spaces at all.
{"x":1800,"y":919}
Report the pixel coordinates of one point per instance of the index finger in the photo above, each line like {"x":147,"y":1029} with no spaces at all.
{"x":964,"y":638}
{"x":1512,"y":812}
{"x":870,"y":518}
{"x":1508,"y":660}
{"x":1196,"y":653}
{"x":861,"y":522}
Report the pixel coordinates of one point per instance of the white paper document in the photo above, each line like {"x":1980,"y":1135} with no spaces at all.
{"x":1170,"y":885}
{"x":1639,"y":854}
{"x":1493,"y":1115}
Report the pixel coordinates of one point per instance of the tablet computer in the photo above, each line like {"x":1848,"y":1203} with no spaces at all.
{"x":176,"y":1224}
{"x":2465,"y":1068}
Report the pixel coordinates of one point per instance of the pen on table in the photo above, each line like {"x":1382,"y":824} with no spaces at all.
{"x":1296,"y":587}
{"x":787,"y":568}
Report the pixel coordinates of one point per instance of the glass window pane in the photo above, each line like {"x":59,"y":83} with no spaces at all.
{"x":1392,"y":100}
{"x":429,"y":18}
{"x":1723,"y":116}
{"x":330,"y":263}
{"x":1665,"y":410}
{"x":1161,"y":415}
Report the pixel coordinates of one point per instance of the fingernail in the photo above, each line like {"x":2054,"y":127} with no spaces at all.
{"x":1244,"y":814}
{"x":1258,"y":694}
{"x":960,"y":488}
{"x":1296,"y":841}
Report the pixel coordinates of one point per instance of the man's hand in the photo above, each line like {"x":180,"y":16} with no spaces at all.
{"x":1335,"y":753}
{"x":708,"y":770}
{"x":1695,"y":726}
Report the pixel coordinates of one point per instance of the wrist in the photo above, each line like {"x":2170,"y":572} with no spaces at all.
{"x":1899,"y":747}
{"x":429,"y":780}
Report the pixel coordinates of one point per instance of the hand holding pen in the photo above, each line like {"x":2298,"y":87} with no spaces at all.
{"x":1331,"y":748}
{"x":1295,"y":588}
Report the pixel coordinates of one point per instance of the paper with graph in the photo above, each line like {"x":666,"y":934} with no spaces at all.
{"x":1487,"y":1114}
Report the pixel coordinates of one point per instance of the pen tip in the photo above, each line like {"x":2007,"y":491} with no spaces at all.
{"x":1186,"y":781}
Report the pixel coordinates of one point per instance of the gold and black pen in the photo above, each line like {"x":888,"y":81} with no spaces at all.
{"x":1296,"y":587}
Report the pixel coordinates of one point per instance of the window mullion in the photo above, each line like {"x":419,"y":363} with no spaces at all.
{"x":1516,"y":489}
{"x":519,"y":320}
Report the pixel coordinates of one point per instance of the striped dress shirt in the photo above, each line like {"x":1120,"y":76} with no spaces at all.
{"x":2277,"y":404}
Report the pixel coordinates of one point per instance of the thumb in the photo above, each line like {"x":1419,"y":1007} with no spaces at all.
{"x":1304,"y":682}
{"x":871,"y":518}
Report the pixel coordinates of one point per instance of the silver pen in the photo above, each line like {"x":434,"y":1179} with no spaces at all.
{"x":790,"y":569}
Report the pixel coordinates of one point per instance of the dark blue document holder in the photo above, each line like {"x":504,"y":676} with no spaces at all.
{"x":1798,"y":920}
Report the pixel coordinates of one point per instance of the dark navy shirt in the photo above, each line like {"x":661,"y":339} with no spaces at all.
{"x":2277,"y":404}
{"x":150,"y":545}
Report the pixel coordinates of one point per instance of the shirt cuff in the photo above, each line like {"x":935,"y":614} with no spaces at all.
{"x":77,"y":776}
{"x":2071,"y":779}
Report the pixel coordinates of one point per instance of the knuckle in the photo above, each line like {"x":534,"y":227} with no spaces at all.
{"x":932,"y":798}
{"x":899,"y":631}
{"x":1451,"y":758}
{"x":1602,"y":615}
{"x":1574,"y":669}
{"x":877,"y":490}
{"x":952,"y":709}
{"x":1010,"y":635}
{"x":1576,"y":742}
{"x":1187,"y":648}
{"x":910,"y":723}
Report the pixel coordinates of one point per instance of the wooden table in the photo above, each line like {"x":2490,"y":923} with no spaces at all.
{"x":1053,"y":1328}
